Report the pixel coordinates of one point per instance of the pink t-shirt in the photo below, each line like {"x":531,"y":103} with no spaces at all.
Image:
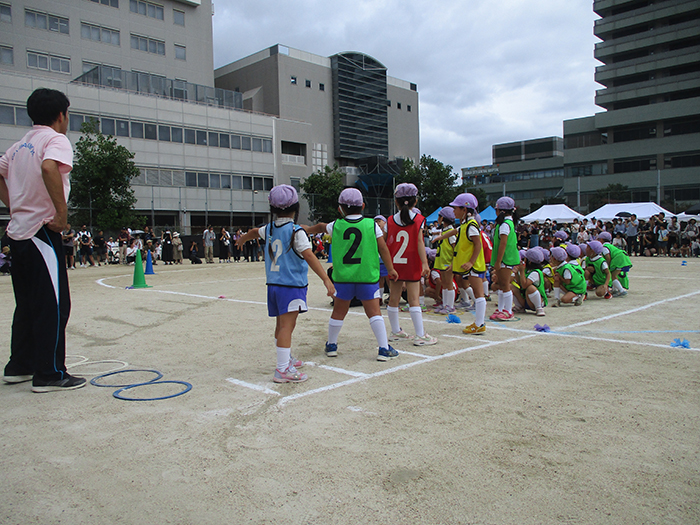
{"x":30,"y":204}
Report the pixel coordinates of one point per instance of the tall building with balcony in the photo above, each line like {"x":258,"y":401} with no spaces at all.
{"x":648,"y":137}
{"x":144,"y":70}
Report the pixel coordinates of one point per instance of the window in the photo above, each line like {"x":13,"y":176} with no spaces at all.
{"x":189,"y":136}
{"x":7,"y":115}
{"x":36,"y":60}
{"x":147,"y":9}
{"x":235,"y":142}
{"x":149,"y":45}
{"x":176,"y":134}
{"x":267,"y":146}
{"x":99,"y":34}
{"x":295,"y":183}
{"x":245,"y":143}
{"x":214,"y":180}
{"x":308,"y":83}
{"x":202,"y":138}
{"x":21,"y":117}
{"x":178,"y":17}
{"x":45,"y":21}
{"x":180,"y":52}
{"x":122,"y":128}
{"x":293,"y":79}
{"x":108,"y":126}
{"x":224,"y":141}
{"x":5,"y":13}
{"x":258,"y":184}
{"x":321,"y":87}
{"x":190,"y":178}
{"x":203,"y":180}
{"x":257,"y":144}
{"x":247,"y":183}
{"x":164,"y":133}
{"x":111,"y":3}
{"x":137,"y":130}
{"x":408,"y":108}
{"x":213,"y":140}
{"x":75,"y":121}
{"x":226,"y":181}
{"x":6,"y":56}
{"x":236,"y":183}
{"x":388,"y":103}
{"x":150,"y":131}
{"x":398,"y":105}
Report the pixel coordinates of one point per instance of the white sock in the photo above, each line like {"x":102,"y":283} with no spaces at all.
{"x":393,"y":314}
{"x":536,"y":299}
{"x":379,"y":329}
{"x":417,"y":318}
{"x":470,"y":293}
{"x":557,"y":293}
{"x":508,"y":302}
{"x":334,"y":326}
{"x":448,"y":298}
{"x":283,"y":358}
{"x":480,"y":311}
{"x":486,"y":288}
{"x":421,"y":300}
{"x":500,"y":301}
{"x":463,"y":295}
{"x":617,"y":286}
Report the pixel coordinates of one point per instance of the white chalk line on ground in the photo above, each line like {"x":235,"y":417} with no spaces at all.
{"x":360,"y":376}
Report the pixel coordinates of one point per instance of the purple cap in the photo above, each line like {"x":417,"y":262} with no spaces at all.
{"x":574,"y":251}
{"x":283,"y":196}
{"x":430,"y":253}
{"x":546,"y":253}
{"x":558,"y":253}
{"x":380,"y":218}
{"x":405,"y":189}
{"x":505,"y":203}
{"x":604,"y":236}
{"x":350,"y":197}
{"x":466,"y":200}
{"x":535,"y":255}
{"x":596,"y":246}
{"x":561,"y":235}
{"x":416,"y":210}
{"x":448,"y":213}
{"x":522,"y":254}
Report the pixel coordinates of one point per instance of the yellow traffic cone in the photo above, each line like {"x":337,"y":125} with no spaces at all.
{"x":139,"y":278}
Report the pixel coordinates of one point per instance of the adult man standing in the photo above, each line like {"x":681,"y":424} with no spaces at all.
{"x":208,"y":238}
{"x":86,"y":244}
{"x":631,"y":232}
{"x":34,"y":184}
{"x":124,"y":240}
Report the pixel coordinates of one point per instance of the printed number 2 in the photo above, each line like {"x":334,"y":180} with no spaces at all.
{"x":278,"y":249}
{"x":401,"y":237}
{"x":349,"y":257}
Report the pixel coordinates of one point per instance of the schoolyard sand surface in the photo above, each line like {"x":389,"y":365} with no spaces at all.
{"x":596,"y":422}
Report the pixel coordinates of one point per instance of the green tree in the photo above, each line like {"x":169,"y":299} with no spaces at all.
{"x":101,"y":193}
{"x":612,"y":193}
{"x":479,"y":193}
{"x":321,"y":190}
{"x":435,"y":182}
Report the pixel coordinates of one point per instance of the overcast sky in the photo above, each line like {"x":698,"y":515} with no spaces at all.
{"x":488,"y":71}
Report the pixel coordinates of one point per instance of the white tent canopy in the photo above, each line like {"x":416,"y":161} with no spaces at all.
{"x":643,"y":210}
{"x":554,"y":212}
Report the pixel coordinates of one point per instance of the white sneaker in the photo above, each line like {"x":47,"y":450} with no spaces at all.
{"x":540,"y":312}
{"x":400,"y":336}
{"x":426,"y":340}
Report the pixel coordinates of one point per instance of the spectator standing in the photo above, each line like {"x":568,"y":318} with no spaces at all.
{"x":35,"y":184}
{"x":224,"y":246}
{"x":631,"y":231}
{"x":167,"y":246}
{"x":68,"y":238}
{"x":124,"y":240}
{"x":100,"y":247}
{"x":208,"y":238}
{"x":178,"y":248}
{"x":85,"y":241}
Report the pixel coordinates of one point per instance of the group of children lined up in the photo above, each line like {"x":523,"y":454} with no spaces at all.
{"x":359,"y":243}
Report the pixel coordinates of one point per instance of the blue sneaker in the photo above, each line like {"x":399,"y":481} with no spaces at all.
{"x":331,"y":350}
{"x":387,"y":353}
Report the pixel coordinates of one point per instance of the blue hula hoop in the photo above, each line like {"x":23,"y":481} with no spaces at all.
{"x":118,"y":395}
{"x":93,"y":381}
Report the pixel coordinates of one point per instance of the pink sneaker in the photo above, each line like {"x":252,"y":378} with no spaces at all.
{"x":296,"y":363}
{"x":506,"y":316}
{"x":496,"y":316}
{"x":291,"y":375}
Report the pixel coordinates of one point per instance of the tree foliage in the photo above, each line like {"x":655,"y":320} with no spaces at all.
{"x":321,"y":190}
{"x":435,"y":182}
{"x":101,"y":193}
{"x":612,"y":193}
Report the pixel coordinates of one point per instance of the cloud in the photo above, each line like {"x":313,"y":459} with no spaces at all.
{"x":488,"y":71}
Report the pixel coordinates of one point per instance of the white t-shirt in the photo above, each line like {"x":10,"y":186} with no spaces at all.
{"x":535,"y":278}
{"x":301,"y":240}
{"x":504,"y":229}
{"x":30,"y":204}
{"x":604,"y":264}
{"x":567,"y":273}
{"x":377,"y":230}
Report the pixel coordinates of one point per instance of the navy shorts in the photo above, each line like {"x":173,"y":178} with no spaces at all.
{"x":363,"y":291}
{"x":284,"y":299}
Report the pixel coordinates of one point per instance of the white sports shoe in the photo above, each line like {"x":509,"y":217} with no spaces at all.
{"x":426,"y":340}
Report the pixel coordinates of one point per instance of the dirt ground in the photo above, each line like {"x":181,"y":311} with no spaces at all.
{"x":595,"y":422}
